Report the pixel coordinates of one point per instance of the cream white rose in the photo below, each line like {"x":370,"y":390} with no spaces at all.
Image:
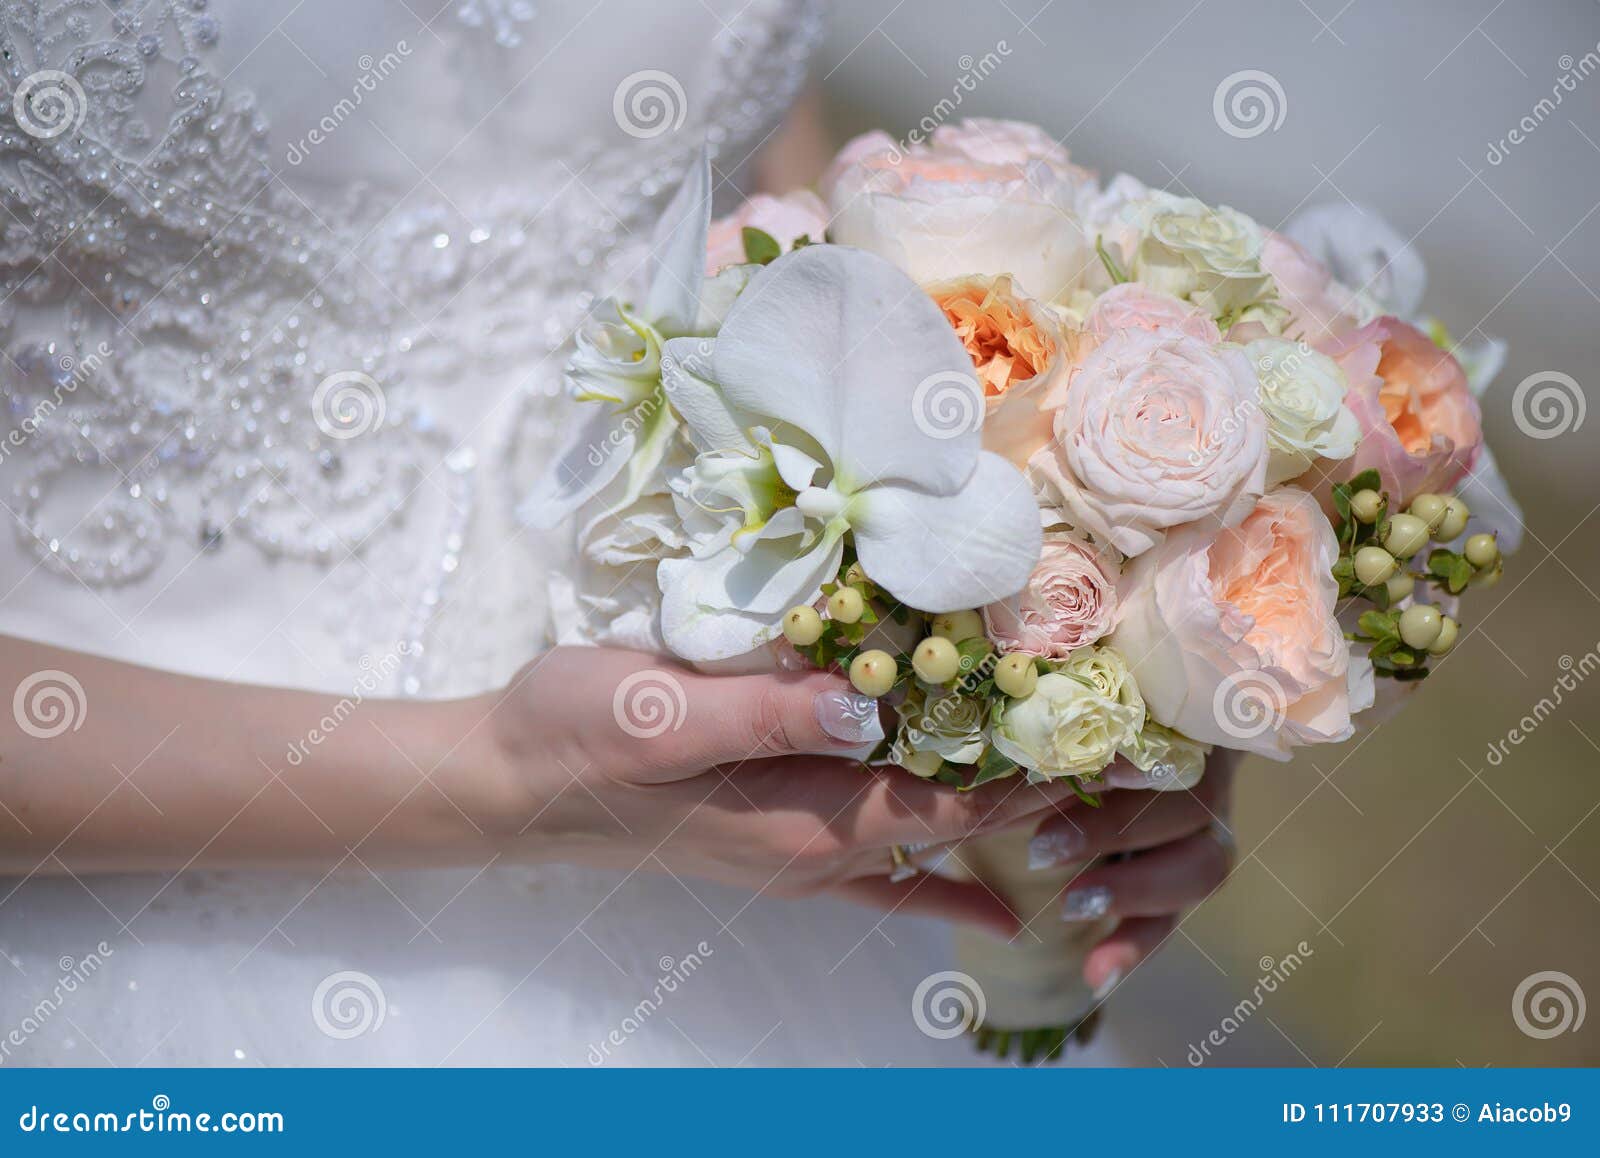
{"x":950,"y":208}
{"x":1302,"y":395}
{"x":1066,"y":727}
{"x":1157,"y":429}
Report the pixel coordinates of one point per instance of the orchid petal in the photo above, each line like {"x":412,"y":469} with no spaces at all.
{"x":597,"y":453}
{"x":948,"y":553}
{"x":678,"y":252}
{"x":730,"y":603}
{"x":714,"y":424}
{"x":795,"y":466}
{"x":841,"y":345}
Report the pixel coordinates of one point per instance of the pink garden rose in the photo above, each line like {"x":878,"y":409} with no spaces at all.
{"x":964,"y":202}
{"x":1320,"y":309}
{"x":1420,"y":425}
{"x":1131,"y":306}
{"x":786,"y":219}
{"x":1233,"y":636}
{"x":1070,"y":601}
{"x":1157,"y":429}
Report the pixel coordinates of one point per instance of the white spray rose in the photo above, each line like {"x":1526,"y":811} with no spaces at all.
{"x":1211,"y":257}
{"x":947,"y":726}
{"x":1068,"y":727}
{"x":1302,"y":395}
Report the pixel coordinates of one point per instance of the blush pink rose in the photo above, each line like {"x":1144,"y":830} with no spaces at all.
{"x":1156,"y":429}
{"x":1131,"y":306}
{"x":1070,"y":601}
{"x":1421,"y":428}
{"x":785,"y":219}
{"x":1320,"y":309}
{"x":1233,"y":636}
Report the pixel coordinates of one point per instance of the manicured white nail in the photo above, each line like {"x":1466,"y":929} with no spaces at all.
{"x":1054,"y":847}
{"x":1127,"y":776}
{"x":1086,"y":904}
{"x":848,"y":717}
{"x":1113,"y":979}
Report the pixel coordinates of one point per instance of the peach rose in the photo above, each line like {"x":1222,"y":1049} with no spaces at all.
{"x":1320,"y":309}
{"x":959,"y":205}
{"x":1131,"y":306}
{"x":1233,"y":637}
{"x":1157,"y":429}
{"x":1420,"y":425}
{"x":785,"y":219}
{"x":1019,"y":351}
{"x":1070,"y":601}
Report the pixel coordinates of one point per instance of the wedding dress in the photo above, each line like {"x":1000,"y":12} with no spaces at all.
{"x":287,"y":288}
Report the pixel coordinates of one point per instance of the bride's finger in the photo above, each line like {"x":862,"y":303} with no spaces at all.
{"x":1109,"y":963}
{"x":1157,"y":883}
{"x":1127,"y":822}
{"x":934,"y":897}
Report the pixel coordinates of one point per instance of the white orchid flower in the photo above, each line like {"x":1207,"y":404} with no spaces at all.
{"x":617,"y":364}
{"x":820,"y":408}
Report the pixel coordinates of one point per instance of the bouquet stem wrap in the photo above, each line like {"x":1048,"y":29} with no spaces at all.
{"x":1034,"y":995}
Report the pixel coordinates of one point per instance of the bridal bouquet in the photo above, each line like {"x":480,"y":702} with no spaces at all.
{"x":1062,"y":470}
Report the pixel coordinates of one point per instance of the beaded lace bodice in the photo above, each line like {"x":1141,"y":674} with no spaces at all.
{"x":321,"y":341}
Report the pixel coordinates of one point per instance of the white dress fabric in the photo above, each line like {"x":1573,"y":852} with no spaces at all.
{"x":267,"y":225}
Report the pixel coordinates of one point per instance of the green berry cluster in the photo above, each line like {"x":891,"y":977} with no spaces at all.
{"x":1376,"y":549}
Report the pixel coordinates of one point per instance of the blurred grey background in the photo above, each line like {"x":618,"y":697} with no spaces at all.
{"x":1427,"y":883}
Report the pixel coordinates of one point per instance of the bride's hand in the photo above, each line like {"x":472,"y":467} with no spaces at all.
{"x":1182,"y":850}
{"x":623,"y":760}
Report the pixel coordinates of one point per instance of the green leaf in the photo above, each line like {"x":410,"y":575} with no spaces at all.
{"x":1460,"y":576}
{"x":992,"y":765}
{"x":1412,"y":673}
{"x":1112,"y":268}
{"x":1379,"y":624}
{"x":759,"y":246}
{"x":1367,"y":480}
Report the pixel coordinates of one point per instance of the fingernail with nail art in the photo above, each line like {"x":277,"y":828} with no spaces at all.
{"x":848,"y":717}
{"x":1053,"y":847}
{"x":1086,"y":904}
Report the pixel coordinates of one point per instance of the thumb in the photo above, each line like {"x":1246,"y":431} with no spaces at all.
{"x":675,"y":723}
